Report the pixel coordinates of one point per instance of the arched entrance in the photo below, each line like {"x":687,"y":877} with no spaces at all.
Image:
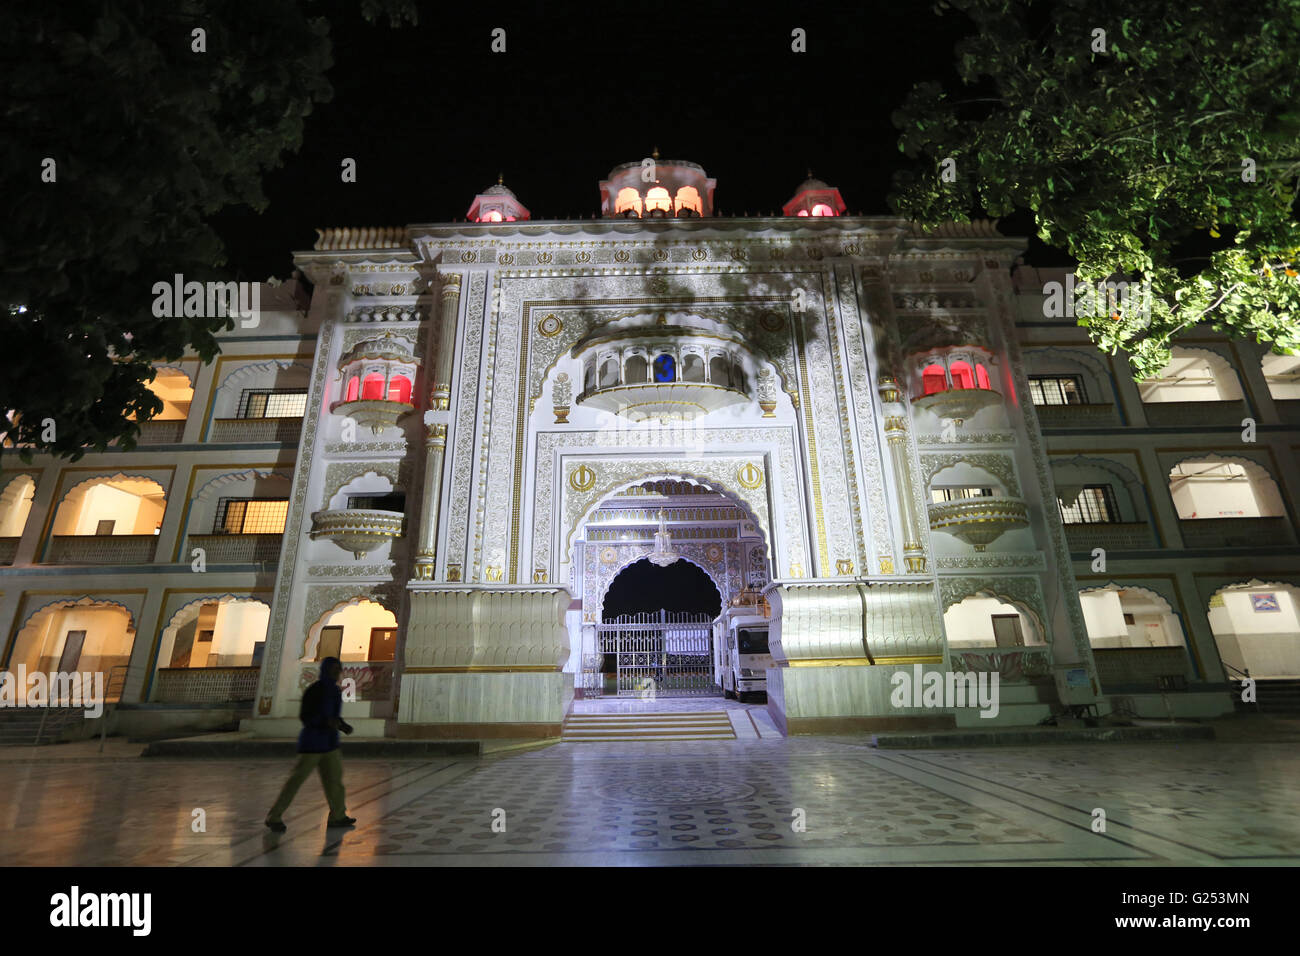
{"x":657,"y":566}
{"x":665,"y":649}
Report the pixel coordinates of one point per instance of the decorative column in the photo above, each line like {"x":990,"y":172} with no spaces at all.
{"x":436,"y":420}
{"x":896,"y":435}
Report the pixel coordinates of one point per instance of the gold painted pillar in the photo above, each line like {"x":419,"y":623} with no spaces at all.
{"x":436,"y":420}
{"x":896,"y":435}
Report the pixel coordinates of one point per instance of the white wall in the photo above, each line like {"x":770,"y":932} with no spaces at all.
{"x":970,"y":622}
{"x":1267,"y":643}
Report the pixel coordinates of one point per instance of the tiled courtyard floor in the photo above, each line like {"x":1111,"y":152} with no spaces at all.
{"x":1231,"y":802}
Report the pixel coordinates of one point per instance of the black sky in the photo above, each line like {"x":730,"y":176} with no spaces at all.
{"x":431,"y":114}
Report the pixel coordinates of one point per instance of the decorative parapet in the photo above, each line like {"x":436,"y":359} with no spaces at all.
{"x":372,"y":238}
{"x":102,"y":549}
{"x":206,"y":685}
{"x":499,"y":628}
{"x":830,"y":623}
{"x":283,"y":430}
{"x":237,"y":548}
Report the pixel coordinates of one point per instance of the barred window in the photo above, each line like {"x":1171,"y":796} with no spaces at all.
{"x":1095,"y":505}
{"x":1057,"y":390}
{"x":956,"y":494}
{"x":251,"y":516}
{"x":273,"y":403}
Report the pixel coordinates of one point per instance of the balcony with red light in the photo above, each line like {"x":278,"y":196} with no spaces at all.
{"x":376,"y":380}
{"x":953,"y":383}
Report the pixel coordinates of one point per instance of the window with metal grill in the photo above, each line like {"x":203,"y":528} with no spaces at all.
{"x":273,"y":403}
{"x":956,"y":494}
{"x":1057,"y":390}
{"x":1095,"y":505}
{"x":251,"y":516}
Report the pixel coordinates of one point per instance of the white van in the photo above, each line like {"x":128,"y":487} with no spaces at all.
{"x":745,"y":658}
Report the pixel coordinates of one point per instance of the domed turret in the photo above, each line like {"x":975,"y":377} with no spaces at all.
{"x":657,"y":189}
{"x":815,"y":198}
{"x":496,"y":204}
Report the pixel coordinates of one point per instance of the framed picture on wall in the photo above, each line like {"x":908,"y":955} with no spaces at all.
{"x":1264,"y":602}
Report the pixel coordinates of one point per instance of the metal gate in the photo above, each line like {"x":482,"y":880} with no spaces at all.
{"x":664,"y":653}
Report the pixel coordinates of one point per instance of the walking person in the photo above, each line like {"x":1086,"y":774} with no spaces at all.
{"x":318,"y":747}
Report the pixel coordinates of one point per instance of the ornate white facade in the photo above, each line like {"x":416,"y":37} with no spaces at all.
{"x":838,"y":409}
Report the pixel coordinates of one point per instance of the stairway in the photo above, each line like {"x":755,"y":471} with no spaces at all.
{"x":21,"y":726}
{"x":595,"y":728}
{"x":1278,"y":697}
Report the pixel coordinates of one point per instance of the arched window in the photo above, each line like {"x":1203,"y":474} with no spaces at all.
{"x":373,"y":387}
{"x":962,"y":376}
{"x":493,"y":216}
{"x":609,"y":372}
{"x":718,"y":373}
{"x":688,"y":202}
{"x":589,"y":375}
{"x":738,"y":376}
{"x":692,"y":368}
{"x":665,"y":369}
{"x":635,"y":369}
{"x":982,"y":377}
{"x":354,"y":389}
{"x":821,"y":209}
{"x":628,"y":202}
{"x":933,"y":380}
{"x":1216,"y":488}
{"x":399,"y":389}
{"x":658,"y":200}
{"x":803,"y":212}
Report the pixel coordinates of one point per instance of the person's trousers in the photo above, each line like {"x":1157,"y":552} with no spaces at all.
{"x":330,"y":766}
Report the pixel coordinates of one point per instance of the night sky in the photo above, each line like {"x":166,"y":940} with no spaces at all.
{"x":432,"y":115}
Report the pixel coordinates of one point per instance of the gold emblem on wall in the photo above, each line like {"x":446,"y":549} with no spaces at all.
{"x":714,"y":553}
{"x":539,"y":576}
{"x":796,"y":570}
{"x":453,"y":572}
{"x":582,"y":478}
{"x":886,"y":565}
{"x":506,"y":259}
{"x":550,"y":326}
{"x":750,"y":476}
{"x":608,"y":556}
{"x":699,"y":255}
{"x":661,"y":255}
{"x":544,"y":257}
{"x":843,"y":566}
{"x":621,"y":255}
{"x":582,"y":257}
{"x":493,"y":574}
{"x":467,"y":257}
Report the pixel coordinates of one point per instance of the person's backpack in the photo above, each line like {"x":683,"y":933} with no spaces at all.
{"x":309,"y":710}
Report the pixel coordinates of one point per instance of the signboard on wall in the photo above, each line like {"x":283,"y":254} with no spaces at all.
{"x":1265,"y":602}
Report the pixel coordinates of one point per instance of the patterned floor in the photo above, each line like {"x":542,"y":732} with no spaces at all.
{"x":743,"y":802}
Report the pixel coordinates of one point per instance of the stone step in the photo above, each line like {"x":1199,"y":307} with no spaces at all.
{"x":594,"y":728}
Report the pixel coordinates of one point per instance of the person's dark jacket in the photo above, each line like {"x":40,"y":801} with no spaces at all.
{"x":321,"y":703}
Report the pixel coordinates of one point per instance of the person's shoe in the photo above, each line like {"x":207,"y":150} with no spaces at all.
{"x":344,"y":822}
{"x":276,"y":826}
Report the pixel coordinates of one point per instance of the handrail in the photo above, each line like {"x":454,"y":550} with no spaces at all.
{"x":125,"y":670}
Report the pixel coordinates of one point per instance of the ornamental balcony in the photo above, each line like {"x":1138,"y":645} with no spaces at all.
{"x":357,"y":530}
{"x":978,"y":521}
{"x":668,"y":372}
{"x":375,"y":414}
{"x":959,"y":404}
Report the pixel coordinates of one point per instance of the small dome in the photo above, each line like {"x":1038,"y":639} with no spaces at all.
{"x":811,"y":183}
{"x":499,"y":190}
